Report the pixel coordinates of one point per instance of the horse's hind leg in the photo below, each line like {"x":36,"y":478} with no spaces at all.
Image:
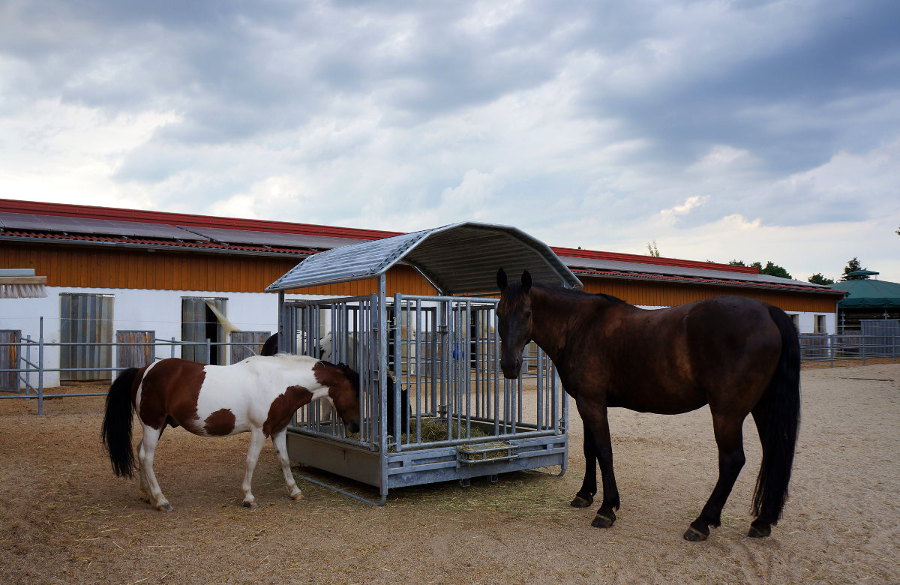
{"x":148,"y":478}
{"x":585,"y":496}
{"x":279,"y":440}
{"x":145,"y":486}
{"x":257,"y":440}
{"x":729,"y":438}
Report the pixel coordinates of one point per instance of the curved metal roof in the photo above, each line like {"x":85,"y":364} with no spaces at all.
{"x":457,"y":259}
{"x":869,"y":294}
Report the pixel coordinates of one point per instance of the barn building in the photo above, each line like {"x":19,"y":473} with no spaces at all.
{"x":132,"y":275}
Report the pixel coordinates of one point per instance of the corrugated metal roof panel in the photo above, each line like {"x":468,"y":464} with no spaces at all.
{"x":260,"y":238}
{"x":458,"y":259}
{"x":82,"y":225}
{"x":685,"y":272}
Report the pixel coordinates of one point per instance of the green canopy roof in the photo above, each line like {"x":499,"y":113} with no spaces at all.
{"x":869,"y":294}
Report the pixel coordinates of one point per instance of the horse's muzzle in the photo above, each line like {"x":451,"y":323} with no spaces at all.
{"x":352,"y":426}
{"x":511,"y":368}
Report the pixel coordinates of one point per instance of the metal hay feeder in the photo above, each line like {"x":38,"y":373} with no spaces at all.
{"x":442,"y":351}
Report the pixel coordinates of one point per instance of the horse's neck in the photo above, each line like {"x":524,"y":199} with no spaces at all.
{"x":552,"y":322}
{"x":556,"y":320}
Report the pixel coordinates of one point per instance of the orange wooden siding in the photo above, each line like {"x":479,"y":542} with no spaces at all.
{"x":656,"y":294}
{"x":119,"y":267}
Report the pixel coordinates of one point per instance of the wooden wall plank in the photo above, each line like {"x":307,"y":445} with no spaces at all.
{"x":102,"y":267}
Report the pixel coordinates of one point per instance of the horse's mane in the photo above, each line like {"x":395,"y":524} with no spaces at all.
{"x":349,"y":372}
{"x":575,"y":293}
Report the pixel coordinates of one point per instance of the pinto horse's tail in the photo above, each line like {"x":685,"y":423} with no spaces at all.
{"x":778,"y":419}
{"x":116,"y":431}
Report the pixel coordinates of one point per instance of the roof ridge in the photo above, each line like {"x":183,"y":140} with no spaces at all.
{"x":195,"y":220}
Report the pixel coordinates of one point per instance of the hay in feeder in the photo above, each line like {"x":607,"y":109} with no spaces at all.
{"x":432,"y":430}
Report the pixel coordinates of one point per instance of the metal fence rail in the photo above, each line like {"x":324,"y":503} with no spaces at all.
{"x":824,"y":347}
{"x":412,"y":352}
{"x":30,"y":364}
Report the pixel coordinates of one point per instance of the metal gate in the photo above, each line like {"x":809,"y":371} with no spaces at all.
{"x":434,"y":405}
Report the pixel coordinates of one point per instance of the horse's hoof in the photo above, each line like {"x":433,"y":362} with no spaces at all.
{"x":694,"y":535}
{"x":759,"y":530}
{"x":298,"y":496}
{"x":579,"y":502}
{"x":164,"y":507}
{"x":251,"y":505}
{"x":603,"y":521}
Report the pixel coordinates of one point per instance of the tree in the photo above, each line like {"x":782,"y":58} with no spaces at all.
{"x":852,"y":267}
{"x":654,"y":251}
{"x":770,"y":268}
{"x":819,"y":278}
{"x":773,"y":270}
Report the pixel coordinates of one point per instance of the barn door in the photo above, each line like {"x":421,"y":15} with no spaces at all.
{"x":87,"y":324}
{"x":129,"y":355}
{"x":199,"y":323}
{"x":9,"y":359}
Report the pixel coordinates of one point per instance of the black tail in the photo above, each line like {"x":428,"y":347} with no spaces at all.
{"x":116,"y":431}
{"x":779,"y":423}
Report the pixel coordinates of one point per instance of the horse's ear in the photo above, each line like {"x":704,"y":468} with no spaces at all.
{"x":526,"y":281}
{"x":501,"y":280}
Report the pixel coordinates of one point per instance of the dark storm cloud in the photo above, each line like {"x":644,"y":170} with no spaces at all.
{"x":785,"y":102}
{"x":409,"y":91}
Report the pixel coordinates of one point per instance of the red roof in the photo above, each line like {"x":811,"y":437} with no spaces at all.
{"x":162,"y":217}
{"x":209,"y":221}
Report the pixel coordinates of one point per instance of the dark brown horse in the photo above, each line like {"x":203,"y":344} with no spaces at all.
{"x":738,"y":355}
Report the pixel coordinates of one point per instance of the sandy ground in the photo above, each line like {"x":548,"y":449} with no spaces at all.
{"x":66,"y":519}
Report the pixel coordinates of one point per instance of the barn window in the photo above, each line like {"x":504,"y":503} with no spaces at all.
{"x":86,"y":331}
{"x":795,"y":319}
{"x":203,"y":328}
{"x":820,"y":324}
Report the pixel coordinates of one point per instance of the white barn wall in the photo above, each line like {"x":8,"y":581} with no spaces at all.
{"x":134,"y":309}
{"x":160,"y":311}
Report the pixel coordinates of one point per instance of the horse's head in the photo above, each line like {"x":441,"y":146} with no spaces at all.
{"x":514,"y":313}
{"x":343,"y":390}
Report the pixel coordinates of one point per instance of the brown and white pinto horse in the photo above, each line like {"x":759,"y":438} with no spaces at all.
{"x":258,"y":395}
{"x":738,"y":355}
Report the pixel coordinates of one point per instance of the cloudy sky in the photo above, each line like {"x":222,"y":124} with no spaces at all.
{"x":718,"y":129}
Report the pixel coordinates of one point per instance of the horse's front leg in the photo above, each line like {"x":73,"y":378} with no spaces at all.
{"x":585,"y":496}
{"x":595,"y":419}
{"x":279,"y":441}
{"x":257,"y":440}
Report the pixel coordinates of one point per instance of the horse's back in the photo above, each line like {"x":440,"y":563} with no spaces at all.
{"x":677,"y":359}
{"x":219,"y":400}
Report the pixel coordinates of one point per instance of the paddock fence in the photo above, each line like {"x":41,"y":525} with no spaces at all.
{"x":24,"y":360}
{"x":24,"y":363}
{"x":875,"y":339}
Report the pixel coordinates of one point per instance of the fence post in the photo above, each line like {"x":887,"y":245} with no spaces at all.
{"x":27,"y":363}
{"x":41,"y":369}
